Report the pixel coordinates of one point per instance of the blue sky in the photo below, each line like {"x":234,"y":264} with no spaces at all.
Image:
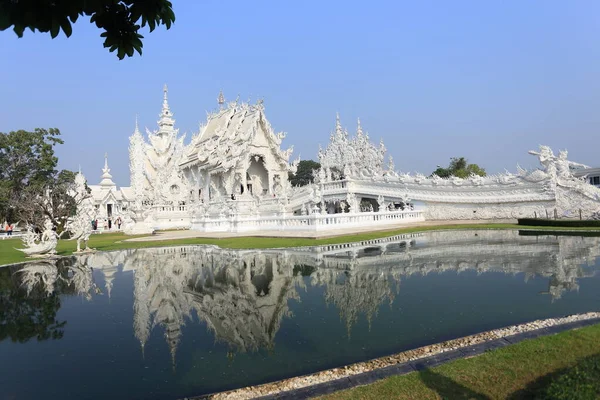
{"x":487,"y":80}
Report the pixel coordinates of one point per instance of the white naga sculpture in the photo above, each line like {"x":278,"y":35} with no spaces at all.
{"x":80,"y":225}
{"x":37,"y":246}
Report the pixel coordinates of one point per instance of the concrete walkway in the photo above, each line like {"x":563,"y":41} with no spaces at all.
{"x":186,"y":234}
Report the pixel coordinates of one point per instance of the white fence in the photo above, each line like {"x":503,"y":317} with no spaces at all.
{"x":313,"y":222}
{"x":171,"y":217}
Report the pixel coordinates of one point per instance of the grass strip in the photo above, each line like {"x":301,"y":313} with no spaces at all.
{"x":114,"y":241}
{"x":562,"y":366}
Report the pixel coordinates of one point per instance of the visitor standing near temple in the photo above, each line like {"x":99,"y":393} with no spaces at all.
{"x":9,"y":229}
{"x":109,"y":223}
{"x":105,"y":225}
{"x":118,"y":222}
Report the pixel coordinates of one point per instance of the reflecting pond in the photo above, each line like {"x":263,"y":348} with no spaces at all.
{"x":188,"y":320}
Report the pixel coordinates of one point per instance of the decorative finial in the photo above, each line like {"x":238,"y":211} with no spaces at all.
{"x":166,"y":120}
{"x":338,"y":125}
{"x":106,"y":162}
{"x":165,"y":99}
{"x":79,"y":169}
{"x":137,"y":128}
{"x":221,"y":98}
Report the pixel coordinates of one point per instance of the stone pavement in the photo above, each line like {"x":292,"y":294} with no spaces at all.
{"x":186,"y":234}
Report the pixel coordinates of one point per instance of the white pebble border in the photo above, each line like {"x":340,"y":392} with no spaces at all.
{"x":410,"y":355}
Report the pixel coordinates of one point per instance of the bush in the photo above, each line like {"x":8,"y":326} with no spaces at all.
{"x":545,"y":232}
{"x":581,"y":382}
{"x":586,"y":223}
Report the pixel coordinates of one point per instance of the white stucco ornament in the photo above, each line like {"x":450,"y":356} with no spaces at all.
{"x":80,"y":225}
{"x":40,"y":246}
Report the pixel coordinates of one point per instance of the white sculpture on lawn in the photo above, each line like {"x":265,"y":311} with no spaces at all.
{"x":40,"y":246}
{"x":80,"y":225}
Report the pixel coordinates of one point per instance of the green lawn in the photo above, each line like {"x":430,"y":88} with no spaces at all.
{"x":114,"y":241}
{"x":562,"y":366}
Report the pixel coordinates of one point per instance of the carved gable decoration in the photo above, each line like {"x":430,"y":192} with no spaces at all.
{"x":225,"y":140}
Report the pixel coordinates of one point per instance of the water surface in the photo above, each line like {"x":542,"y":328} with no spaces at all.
{"x":181,"y":321}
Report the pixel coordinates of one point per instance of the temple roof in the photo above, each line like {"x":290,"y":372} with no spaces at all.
{"x":227,"y":135}
{"x":100,"y":196}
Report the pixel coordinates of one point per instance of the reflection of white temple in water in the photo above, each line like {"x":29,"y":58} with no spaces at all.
{"x":242,"y":295}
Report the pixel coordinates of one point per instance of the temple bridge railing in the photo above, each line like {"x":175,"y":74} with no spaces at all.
{"x":312,"y":222}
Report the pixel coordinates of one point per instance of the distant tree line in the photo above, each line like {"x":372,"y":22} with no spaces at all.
{"x":459,"y":167}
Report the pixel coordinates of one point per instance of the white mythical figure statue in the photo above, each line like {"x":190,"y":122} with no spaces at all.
{"x":573,"y":195}
{"x":41,"y":246}
{"x":556,"y":167}
{"x":80,"y":225}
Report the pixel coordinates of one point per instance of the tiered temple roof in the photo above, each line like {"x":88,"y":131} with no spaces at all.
{"x":228,"y":134}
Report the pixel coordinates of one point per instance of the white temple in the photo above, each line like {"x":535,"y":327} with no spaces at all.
{"x":233,"y":177}
{"x":110,"y":201}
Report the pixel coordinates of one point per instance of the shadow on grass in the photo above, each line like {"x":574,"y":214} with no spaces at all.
{"x":446,"y":388}
{"x":579,"y":382}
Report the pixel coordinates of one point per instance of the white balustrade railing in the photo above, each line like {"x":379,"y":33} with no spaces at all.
{"x":171,"y":208}
{"x":335,"y":185}
{"x":313,"y":222}
{"x":171,"y":217}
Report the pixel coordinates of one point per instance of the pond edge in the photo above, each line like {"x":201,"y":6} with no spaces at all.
{"x":366,"y":372}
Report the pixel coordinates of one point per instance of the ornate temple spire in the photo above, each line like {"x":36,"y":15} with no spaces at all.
{"x":137,"y":127}
{"x":165,"y":100}
{"x":166,"y":121}
{"x":221,"y":99}
{"x":106,"y":181}
{"x":338,"y":125}
{"x":172,"y":334}
{"x":359,"y":131}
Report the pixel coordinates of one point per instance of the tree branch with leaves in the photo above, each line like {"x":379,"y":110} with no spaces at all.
{"x":31,"y":188}
{"x":120,"y":21}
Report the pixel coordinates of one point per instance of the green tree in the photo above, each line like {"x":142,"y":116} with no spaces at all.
{"x":120,"y":21}
{"x":459,"y":167}
{"x":31,"y":188}
{"x":304,"y":173}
